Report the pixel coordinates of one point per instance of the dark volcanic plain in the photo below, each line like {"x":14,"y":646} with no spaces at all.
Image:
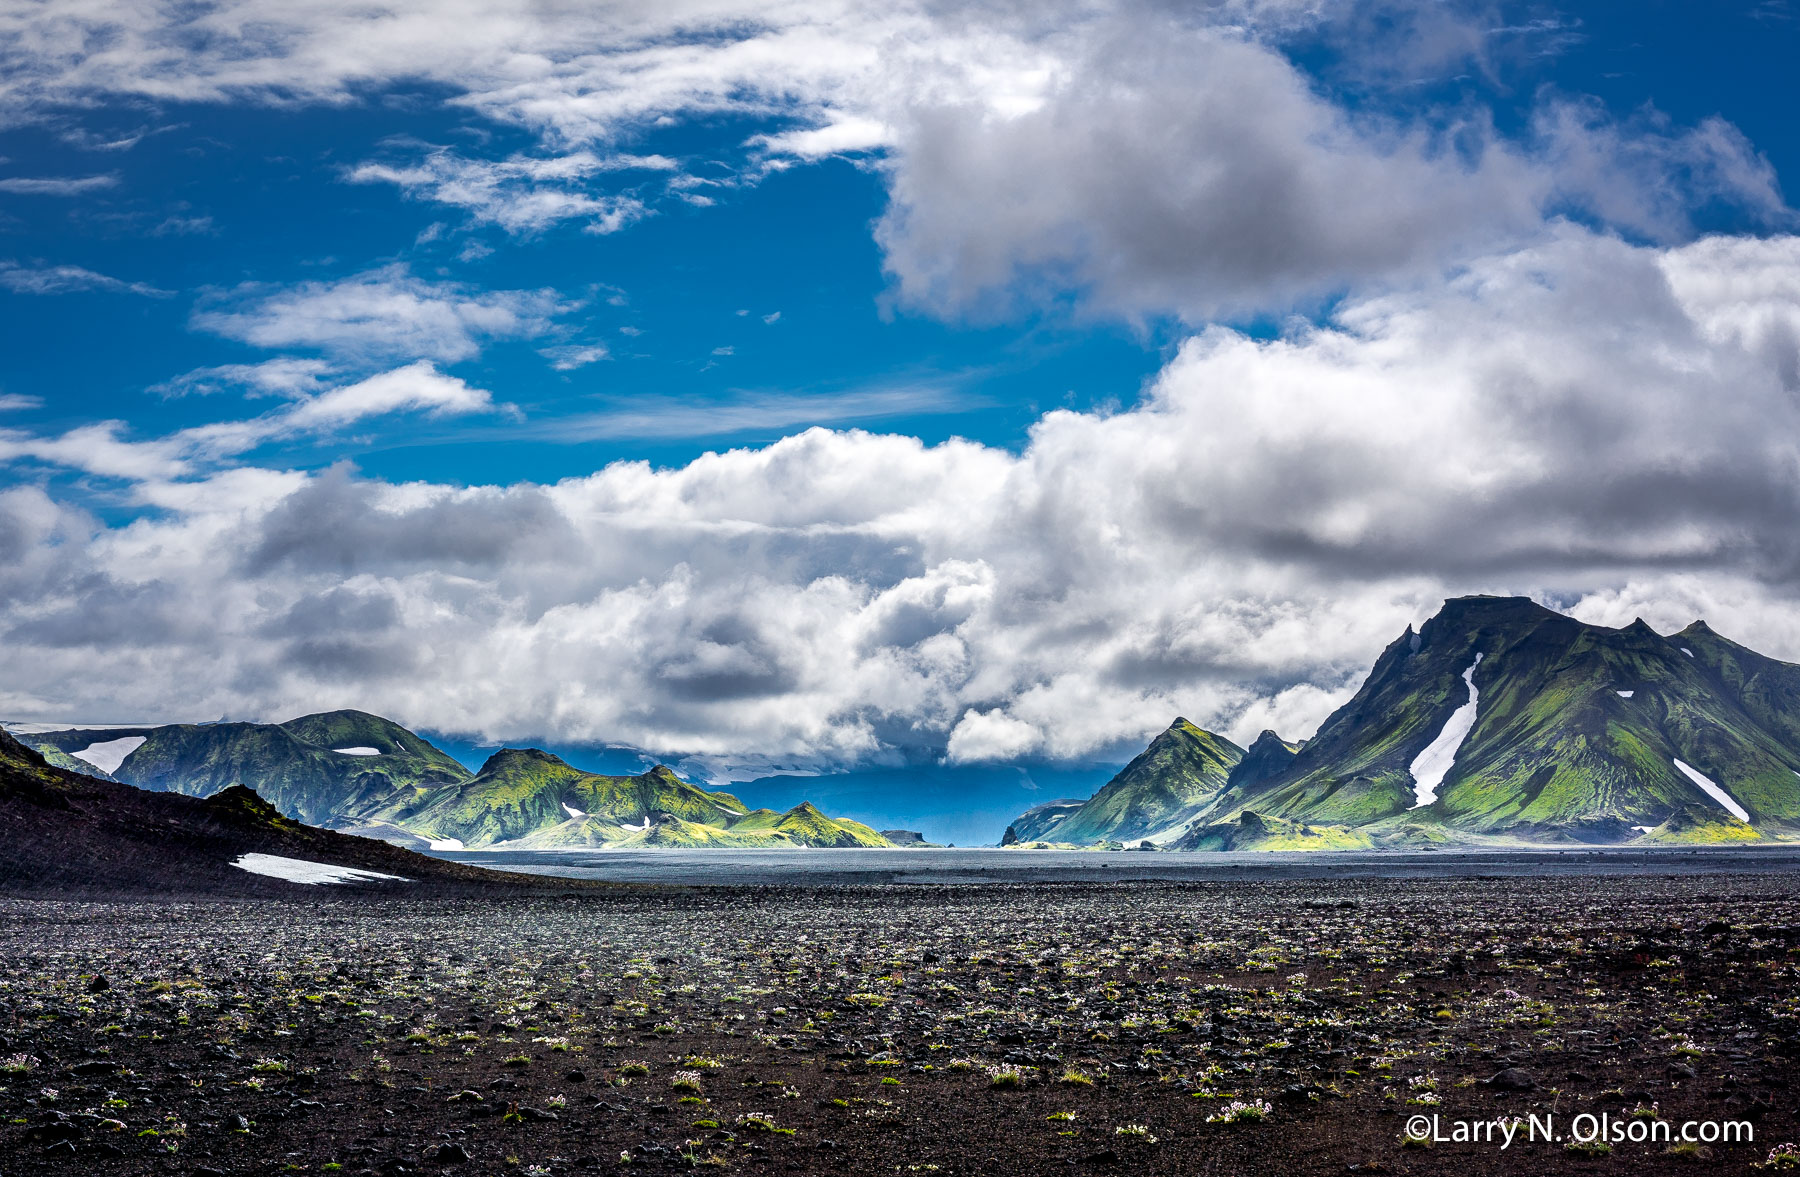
{"x":974,"y":1030}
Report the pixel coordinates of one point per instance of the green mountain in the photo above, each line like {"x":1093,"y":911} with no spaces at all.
{"x":71,"y":833}
{"x":528,"y":799}
{"x":1039,"y":820}
{"x":1500,"y":717}
{"x":1498,"y":720}
{"x":1152,"y":798}
{"x":1253,"y":831}
{"x":315,"y":768}
{"x":1268,"y":756}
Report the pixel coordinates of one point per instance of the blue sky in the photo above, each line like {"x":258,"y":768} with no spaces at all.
{"x":209,"y":196}
{"x":1166,"y":360}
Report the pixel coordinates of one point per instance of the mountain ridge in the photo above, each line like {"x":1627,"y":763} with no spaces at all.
{"x":1501,"y":719}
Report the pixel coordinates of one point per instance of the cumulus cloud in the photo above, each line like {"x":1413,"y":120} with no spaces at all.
{"x":1197,"y":172}
{"x":1607,"y":426}
{"x":381,"y":314}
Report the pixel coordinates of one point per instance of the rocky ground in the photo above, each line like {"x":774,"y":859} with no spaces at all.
{"x":1280,"y":1028}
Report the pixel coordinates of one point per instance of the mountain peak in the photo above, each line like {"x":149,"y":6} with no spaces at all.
{"x":521,"y":758}
{"x":1482,"y":609}
{"x":662,"y":772}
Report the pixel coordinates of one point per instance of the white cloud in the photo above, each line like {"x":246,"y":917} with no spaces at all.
{"x":570,"y":356}
{"x":384,"y":313}
{"x":54,"y":186}
{"x":286,"y":376}
{"x":67,"y":280}
{"x":841,"y":134}
{"x":1194,"y":171}
{"x":103,"y":449}
{"x":16,"y":401}
{"x":520,"y":194}
{"x":1600,"y":424}
{"x":991,"y":735}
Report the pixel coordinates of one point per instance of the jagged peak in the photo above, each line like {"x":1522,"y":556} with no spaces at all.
{"x":661,"y":772}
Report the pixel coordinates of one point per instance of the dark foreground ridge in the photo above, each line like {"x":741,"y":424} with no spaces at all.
{"x":63,"y":833}
{"x":1249,"y":1028}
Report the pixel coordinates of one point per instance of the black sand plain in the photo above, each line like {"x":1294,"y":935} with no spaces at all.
{"x":1278,"y":1026}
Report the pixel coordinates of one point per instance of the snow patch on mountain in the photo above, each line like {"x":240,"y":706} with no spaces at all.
{"x":1430,"y":766}
{"x":1712,"y":790}
{"x":302,"y":870}
{"x":357,"y":751}
{"x":109,"y":754}
{"x":446,"y":844}
{"x":572,"y":811}
{"x":1625,"y":694}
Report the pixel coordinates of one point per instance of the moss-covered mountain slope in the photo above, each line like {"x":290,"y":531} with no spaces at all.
{"x":1579,"y":732}
{"x":299,"y":766}
{"x":1152,"y":798}
{"x":527,"y":798}
{"x":1498,"y":720}
{"x":69,"y":833}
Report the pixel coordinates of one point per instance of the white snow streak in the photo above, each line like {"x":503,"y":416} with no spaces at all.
{"x":572,"y":811}
{"x":300,"y":870}
{"x":1430,"y":766}
{"x":357,"y":751}
{"x":1626,"y":694}
{"x":108,"y":755}
{"x":1712,"y":790}
{"x":446,"y":844}
{"x":1687,"y":651}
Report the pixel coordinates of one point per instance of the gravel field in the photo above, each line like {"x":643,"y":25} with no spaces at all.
{"x":1275,"y":1027}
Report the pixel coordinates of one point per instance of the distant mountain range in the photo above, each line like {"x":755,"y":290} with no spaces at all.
{"x":1498,"y":720}
{"x":358,"y":772}
{"x":73,"y":833}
